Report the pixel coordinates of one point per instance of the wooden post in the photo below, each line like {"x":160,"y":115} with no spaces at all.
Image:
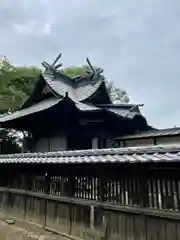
{"x":26,"y":178}
{"x":101,"y":184}
{"x":92,"y":217}
{"x":143,"y":188}
{"x":46,"y":190}
{"x":95,"y":143}
{"x":70,"y":194}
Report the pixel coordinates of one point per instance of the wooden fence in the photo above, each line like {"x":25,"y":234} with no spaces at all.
{"x":128,"y":202}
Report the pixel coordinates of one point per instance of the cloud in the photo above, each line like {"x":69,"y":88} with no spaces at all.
{"x":33,"y":27}
{"x":26,"y":17}
{"x":136,"y":42}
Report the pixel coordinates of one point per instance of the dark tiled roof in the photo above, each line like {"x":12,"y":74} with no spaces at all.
{"x":159,"y":153}
{"x":124,"y":105}
{"x":33,"y":109}
{"x":85,"y":89}
{"x":87,"y":107}
{"x":48,"y":103}
{"x":154,"y":133}
{"x":79,"y":91}
{"x":123,"y":112}
{"x":43,"y":105}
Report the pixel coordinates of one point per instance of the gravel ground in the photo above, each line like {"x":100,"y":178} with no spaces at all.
{"x":16,"y":231}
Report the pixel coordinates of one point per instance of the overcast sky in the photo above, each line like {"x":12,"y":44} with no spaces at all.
{"x":136,"y":42}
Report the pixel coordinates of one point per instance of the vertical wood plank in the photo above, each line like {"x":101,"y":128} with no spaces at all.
{"x":139,"y":228}
{"x":171,"y":231}
{"x":177,"y":193}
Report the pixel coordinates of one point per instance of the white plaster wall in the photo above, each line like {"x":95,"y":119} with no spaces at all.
{"x":51,"y":144}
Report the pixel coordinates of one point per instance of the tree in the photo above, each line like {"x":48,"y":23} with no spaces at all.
{"x":75,"y":71}
{"x":16,"y":84}
{"x":117,"y":95}
{"x":10,"y":141}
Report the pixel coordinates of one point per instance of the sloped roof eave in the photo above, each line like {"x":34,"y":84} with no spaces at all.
{"x":41,"y":106}
{"x":96,"y":88}
{"x":130,"y":155}
{"x":153,"y":133}
{"x":44,"y":105}
{"x":121,"y":112}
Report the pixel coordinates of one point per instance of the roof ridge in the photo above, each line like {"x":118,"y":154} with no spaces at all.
{"x":152,"y":133}
{"x":121,"y":105}
{"x":167,"y":148}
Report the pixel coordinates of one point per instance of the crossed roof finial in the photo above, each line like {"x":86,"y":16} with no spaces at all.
{"x":90,"y":70}
{"x":53,"y":66}
{"x":55,"y":61}
{"x":95,"y":72}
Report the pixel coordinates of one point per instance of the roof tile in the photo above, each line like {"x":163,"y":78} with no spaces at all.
{"x":48,"y":103}
{"x":143,"y":154}
{"x":153,"y":133}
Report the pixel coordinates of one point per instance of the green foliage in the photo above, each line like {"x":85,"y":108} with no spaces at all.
{"x":10,"y":141}
{"x":75,"y":71}
{"x":16,"y":84}
{"x":117,"y":95}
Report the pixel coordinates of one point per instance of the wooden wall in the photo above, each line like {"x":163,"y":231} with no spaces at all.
{"x":75,"y":219}
{"x":149,"y":141}
{"x":137,"y":142}
{"x":92,"y":201}
{"x":168,"y":139}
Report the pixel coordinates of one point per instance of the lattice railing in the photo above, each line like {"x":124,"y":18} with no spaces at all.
{"x":158,"y":191}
